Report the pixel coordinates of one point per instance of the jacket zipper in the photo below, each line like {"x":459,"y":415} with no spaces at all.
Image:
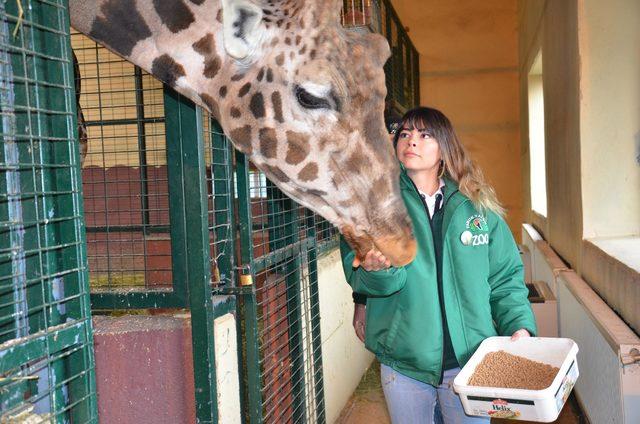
{"x":440,"y":299}
{"x":440,"y":295}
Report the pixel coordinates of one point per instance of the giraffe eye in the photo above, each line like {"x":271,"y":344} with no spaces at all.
{"x":309,"y":101}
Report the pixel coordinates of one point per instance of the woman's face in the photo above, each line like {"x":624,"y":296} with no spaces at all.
{"x":417,"y":150}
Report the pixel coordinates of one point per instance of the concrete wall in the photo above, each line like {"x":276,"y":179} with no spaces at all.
{"x":552,"y":27}
{"x":344,"y":358}
{"x":609,"y":35}
{"x":469,"y":70}
{"x":144,"y":369}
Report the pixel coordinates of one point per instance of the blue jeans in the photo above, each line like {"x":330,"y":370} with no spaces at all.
{"x":413,"y":402}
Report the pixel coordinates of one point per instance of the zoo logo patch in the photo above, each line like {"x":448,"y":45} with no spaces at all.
{"x":477,"y":224}
{"x":476,"y":233}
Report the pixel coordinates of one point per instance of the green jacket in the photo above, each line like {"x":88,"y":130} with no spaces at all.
{"x":483,"y":286}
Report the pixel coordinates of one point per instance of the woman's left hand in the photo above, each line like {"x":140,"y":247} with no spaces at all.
{"x":520,"y":333}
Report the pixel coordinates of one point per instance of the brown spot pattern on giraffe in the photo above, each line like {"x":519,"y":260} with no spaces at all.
{"x":115,"y":16}
{"x":276,"y":173}
{"x":309,"y":172}
{"x":276,"y":100}
{"x":244,"y":89}
{"x":167,"y":69}
{"x":357,"y":162}
{"x":235,"y":112}
{"x":269,"y":75}
{"x":211,"y":67}
{"x":211,"y":104}
{"x":174,"y":14}
{"x":376,"y":136}
{"x":381,"y":191}
{"x":268,"y":142}
{"x":280,"y":59}
{"x":242,"y":139}
{"x":223,"y":91}
{"x":298,"y":148}
{"x":256,"y":105}
{"x":336,"y":182}
{"x":318,"y":193}
{"x":205,"y":45}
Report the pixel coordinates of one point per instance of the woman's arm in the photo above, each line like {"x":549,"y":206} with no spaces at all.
{"x":371,"y":283}
{"x":510,"y":306}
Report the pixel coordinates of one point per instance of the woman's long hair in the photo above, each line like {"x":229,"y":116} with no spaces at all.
{"x":457,"y":164}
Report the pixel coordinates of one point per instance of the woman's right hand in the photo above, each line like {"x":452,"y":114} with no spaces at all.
{"x":373,"y":261}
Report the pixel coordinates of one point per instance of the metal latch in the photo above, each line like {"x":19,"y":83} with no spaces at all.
{"x":246,"y":278}
{"x":631,"y":357}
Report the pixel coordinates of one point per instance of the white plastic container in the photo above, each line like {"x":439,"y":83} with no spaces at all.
{"x":533,"y":405}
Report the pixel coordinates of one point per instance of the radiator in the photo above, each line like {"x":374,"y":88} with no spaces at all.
{"x":608,"y":389}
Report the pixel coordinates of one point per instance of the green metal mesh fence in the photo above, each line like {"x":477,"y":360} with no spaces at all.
{"x":46,"y":358}
{"x":281,"y":305}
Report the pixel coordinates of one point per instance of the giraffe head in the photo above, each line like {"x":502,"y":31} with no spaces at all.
{"x":307,"y":107}
{"x":301,"y":96}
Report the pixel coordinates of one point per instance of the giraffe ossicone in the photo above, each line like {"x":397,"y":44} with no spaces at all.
{"x":297,"y":93}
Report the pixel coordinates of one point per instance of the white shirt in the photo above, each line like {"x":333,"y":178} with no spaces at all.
{"x":431,"y":200}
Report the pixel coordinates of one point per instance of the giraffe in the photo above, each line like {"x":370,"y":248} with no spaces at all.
{"x":299,"y":95}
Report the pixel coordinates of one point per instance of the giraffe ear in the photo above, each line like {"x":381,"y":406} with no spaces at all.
{"x":241,"y":27}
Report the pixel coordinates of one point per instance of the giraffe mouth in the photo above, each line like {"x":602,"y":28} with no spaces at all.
{"x":399,"y":249}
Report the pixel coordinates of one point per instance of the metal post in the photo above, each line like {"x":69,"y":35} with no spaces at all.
{"x":187,"y":121}
{"x":250,"y":308}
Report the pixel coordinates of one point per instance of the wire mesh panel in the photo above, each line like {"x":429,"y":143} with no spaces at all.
{"x":221,"y":195}
{"x":46,"y":359}
{"x":326,"y":235}
{"x":126,"y":177}
{"x":124,"y":171}
{"x":281,"y":309}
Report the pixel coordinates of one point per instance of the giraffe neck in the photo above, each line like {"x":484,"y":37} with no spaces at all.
{"x":179,"y":42}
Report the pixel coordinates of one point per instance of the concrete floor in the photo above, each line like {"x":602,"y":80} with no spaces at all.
{"x":367,"y":405}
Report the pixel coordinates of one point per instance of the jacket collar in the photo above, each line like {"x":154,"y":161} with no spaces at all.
{"x":452,"y":196}
{"x":406,"y":184}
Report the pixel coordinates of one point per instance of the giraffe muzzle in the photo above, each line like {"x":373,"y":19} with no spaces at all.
{"x":399,"y":249}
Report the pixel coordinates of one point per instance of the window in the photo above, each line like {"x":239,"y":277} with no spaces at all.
{"x":538,"y":177}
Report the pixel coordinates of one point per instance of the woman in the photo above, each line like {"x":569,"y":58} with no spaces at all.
{"x":425,"y":320}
